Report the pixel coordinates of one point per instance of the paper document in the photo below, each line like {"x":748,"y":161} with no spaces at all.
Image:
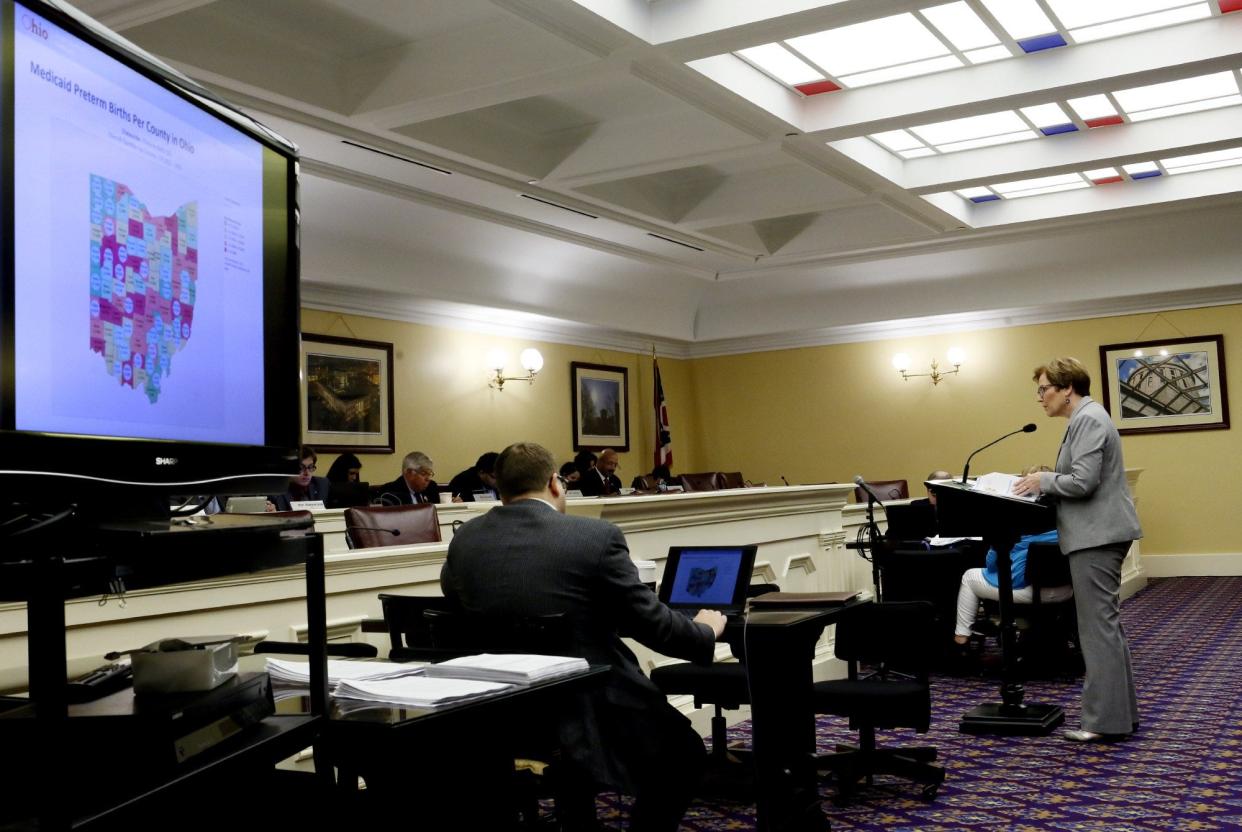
{"x":514,"y":668}
{"x":1001,"y":485}
{"x":418,"y":691}
{"x":298,"y":673}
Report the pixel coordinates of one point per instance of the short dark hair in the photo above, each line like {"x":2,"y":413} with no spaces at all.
{"x":569,"y":468}
{"x":1065,"y":373}
{"x":487,"y":462}
{"x":522,"y":468}
{"x":307,"y":450}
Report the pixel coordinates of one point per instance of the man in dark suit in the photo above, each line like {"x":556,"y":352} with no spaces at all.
{"x":415,"y":485}
{"x":528,"y":558}
{"x":305,"y":487}
{"x":602,"y":480}
{"x":480,"y":478}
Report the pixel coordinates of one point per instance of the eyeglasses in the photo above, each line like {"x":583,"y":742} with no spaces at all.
{"x":309,"y":469}
{"x":1044,"y":388}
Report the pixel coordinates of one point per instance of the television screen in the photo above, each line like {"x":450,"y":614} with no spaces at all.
{"x":150,"y":305}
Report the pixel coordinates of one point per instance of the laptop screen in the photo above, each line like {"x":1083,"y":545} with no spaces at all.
{"x":707,"y":577}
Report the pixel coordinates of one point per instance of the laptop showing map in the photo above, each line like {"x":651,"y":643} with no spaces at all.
{"x":707,"y":577}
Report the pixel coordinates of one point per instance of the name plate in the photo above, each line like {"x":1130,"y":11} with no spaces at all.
{"x":306,"y":505}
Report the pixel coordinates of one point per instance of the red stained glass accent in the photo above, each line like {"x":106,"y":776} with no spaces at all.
{"x":1108,"y":180}
{"x":816,"y":87}
{"x":1227,"y":6}
{"x":1104,"y":121}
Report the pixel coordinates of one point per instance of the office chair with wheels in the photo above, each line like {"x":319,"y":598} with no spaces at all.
{"x":1047,"y":631}
{"x":370,"y":526}
{"x":888,"y":637}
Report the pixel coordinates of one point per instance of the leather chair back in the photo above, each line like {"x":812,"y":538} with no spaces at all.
{"x":731,"y":479}
{"x":706,"y":481}
{"x":885,"y":490}
{"x":370,"y":526}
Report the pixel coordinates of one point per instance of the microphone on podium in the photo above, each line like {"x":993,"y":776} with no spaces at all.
{"x":1029,"y":427}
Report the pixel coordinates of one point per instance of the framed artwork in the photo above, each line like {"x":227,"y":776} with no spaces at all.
{"x":347,"y":395}
{"x":601,"y":402}
{"x":1159,"y":386}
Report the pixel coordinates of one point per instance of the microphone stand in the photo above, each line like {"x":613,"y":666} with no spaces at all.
{"x":873,"y":534}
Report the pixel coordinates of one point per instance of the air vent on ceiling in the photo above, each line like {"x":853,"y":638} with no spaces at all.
{"x":674,"y":242}
{"x":397,"y":157}
{"x":557,"y":205}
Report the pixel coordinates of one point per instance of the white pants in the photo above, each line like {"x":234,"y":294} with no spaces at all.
{"x":974,"y":587}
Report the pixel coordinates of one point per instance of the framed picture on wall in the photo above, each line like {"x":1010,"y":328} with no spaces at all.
{"x":601,"y":403}
{"x":1160,"y":386}
{"x":347,"y":401}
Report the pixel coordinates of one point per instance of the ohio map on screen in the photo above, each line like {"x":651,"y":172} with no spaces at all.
{"x":143,"y":282}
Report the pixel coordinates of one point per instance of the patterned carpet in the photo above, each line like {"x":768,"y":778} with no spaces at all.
{"x":1181,"y":771}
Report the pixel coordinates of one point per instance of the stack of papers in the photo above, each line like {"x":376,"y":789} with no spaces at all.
{"x":511,"y":668}
{"x":1001,"y":485}
{"x":298,"y":673}
{"x":418,"y":691}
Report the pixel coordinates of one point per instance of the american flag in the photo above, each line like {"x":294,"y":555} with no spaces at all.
{"x":663,"y":439}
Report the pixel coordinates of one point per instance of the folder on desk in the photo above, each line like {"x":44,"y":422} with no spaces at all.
{"x":800,"y":600}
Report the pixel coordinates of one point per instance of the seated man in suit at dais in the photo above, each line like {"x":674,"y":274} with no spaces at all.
{"x":528,"y":558}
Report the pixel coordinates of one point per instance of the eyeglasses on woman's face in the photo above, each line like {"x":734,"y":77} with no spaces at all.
{"x":1044,"y":388}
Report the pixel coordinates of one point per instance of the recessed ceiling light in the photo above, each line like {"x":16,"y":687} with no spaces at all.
{"x":897,"y":140}
{"x":872,"y":44}
{"x":1074,"y":14}
{"x":781,"y":64}
{"x":971,"y":127}
{"x":1190,"y":107}
{"x":1142,"y":23}
{"x":959,"y":23}
{"x":1045,"y":115}
{"x":1092,"y":106}
{"x":1199,"y":88}
{"x":1203,"y":161}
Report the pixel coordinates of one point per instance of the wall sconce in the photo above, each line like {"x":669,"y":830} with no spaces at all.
{"x":532,"y":363}
{"x":956,"y":356}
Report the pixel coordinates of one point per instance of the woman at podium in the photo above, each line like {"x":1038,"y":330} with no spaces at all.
{"x":1096,"y":522}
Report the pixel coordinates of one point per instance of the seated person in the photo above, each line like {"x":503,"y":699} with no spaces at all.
{"x":658,"y":480}
{"x":305,"y":487}
{"x":346,"y":468}
{"x":415,"y":485}
{"x":930,"y":499}
{"x":602,"y":480}
{"x":528,"y":558}
{"x":480,"y":478}
{"x":571,"y":475}
{"x":984,"y":583}
{"x":584,"y":461}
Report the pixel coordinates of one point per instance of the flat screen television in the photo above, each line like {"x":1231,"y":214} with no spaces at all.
{"x":149,"y":297}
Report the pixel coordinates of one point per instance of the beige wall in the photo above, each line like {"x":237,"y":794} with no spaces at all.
{"x":828,"y":413}
{"x":821,"y":414}
{"x":445,"y":408}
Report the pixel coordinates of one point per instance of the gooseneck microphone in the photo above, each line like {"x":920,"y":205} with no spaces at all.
{"x":1029,"y":427}
{"x":784,"y":480}
{"x":861,"y":483}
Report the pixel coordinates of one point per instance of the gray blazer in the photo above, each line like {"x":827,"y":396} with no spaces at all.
{"x":528,"y":559}
{"x":1094,"y":507}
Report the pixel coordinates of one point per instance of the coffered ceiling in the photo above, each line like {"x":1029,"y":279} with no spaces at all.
{"x":717,"y":175}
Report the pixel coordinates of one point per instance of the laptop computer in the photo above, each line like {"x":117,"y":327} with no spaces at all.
{"x":914,"y":521}
{"x":707,"y":577}
{"x":349,"y":494}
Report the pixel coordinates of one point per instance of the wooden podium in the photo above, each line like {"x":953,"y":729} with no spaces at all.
{"x":1000,"y":521}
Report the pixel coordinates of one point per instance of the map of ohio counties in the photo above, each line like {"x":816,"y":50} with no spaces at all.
{"x":144,"y":275}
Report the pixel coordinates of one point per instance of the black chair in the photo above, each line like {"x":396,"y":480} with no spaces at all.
{"x":408,"y":631}
{"x":896,"y":641}
{"x":1048,"y":632}
{"x":724,"y":686}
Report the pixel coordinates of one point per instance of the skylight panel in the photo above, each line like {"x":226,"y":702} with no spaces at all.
{"x":971,"y":127}
{"x":1093,"y":106}
{"x":1074,"y":14}
{"x":991,"y":53}
{"x":972,"y":193}
{"x":1191,"y":107}
{"x":1142,"y":23}
{"x":873,"y":44}
{"x":896,"y":140}
{"x":1005,"y":188}
{"x":959,"y":23}
{"x":989,"y":141}
{"x":1050,"y":119}
{"x":1021,"y":18}
{"x":894,"y":73}
{"x":781,"y":64}
{"x":1142,"y":170}
{"x":1050,"y":189}
{"x":1203,"y":161}
{"x":1199,"y":88}
{"x":1103,"y":176}
{"x":917,"y":153}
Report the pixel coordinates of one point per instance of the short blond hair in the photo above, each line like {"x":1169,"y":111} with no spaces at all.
{"x":1066,"y":372}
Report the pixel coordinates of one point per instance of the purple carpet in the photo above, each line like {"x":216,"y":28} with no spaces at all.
{"x":1181,"y":771}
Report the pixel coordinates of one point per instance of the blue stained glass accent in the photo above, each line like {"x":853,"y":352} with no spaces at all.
{"x":1058,"y":128}
{"x":988,"y":198}
{"x":1041,"y":42}
{"x":1147,"y":174}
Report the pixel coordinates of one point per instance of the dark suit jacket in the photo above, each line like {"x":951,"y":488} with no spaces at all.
{"x":593,"y":484}
{"x":466,"y":483}
{"x":317,"y":490}
{"x":392,"y":493}
{"x":528,"y":559}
